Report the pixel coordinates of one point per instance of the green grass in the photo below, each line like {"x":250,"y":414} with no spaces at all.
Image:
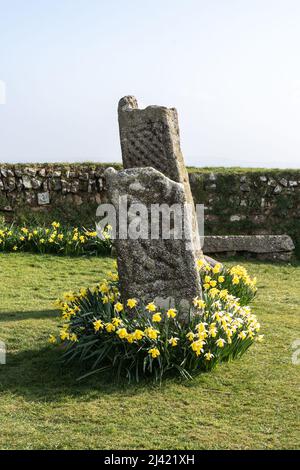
{"x":227,"y":170}
{"x":250,"y":403}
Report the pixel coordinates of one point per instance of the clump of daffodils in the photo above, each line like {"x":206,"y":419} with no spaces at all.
{"x":54,"y":239}
{"x":140,"y":339}
{"x":235,"y":280}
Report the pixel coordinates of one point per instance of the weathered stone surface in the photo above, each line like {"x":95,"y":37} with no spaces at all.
{"x":27,"y":182}
{"x":36,"y":183}
{"x":248,"y":243}
{"x":245,"y":187}
{"x":150,"y":138}
{"x":164,"y":270}
{"x":43,"y":198}
{"x":10,"y":183}
{"x":283,"y":182}
{"x":236,"y":217}
{"x":277,"y":189}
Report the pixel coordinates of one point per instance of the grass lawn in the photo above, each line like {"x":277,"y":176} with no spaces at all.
{"x":246,"y":404}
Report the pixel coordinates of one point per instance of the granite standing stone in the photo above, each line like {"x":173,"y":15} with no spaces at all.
{"x":163,"y":270}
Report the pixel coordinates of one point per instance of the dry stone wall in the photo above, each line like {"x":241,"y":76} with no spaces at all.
{"x":236,"y":202}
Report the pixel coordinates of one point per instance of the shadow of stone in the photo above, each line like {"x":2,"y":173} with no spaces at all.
{"x":39,"y":376}
{"x":27,"y":315}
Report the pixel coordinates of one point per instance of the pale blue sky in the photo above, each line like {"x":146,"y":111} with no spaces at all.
{"x":231,"y":67}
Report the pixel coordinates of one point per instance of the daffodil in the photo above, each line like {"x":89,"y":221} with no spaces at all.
{"x":138,"y":334}
{"x":64,"y":335}
{"x":156,"y":317}
{"x":173,"y":341}
{"x":131,"y":303}
{"x":217,"y":268}
{"x":171,"y":313}
{"x":190,"y":336}
{"x":151,"y":307}
{"x":197,"y":347}
{"x":110,"y":327}
{"x":151,"y":333}
{"x":242,"y":335}
{"x":119,"y":307}
{"x":113,"y":276}
{"x":116,"y":321}
{"x":200,"y":263}
{"x":220,"y":342}
{"x":122,"y":333}
{"x":154,"y":352}
{"x":52,"y":339}
{"x":130,"y":337}
{"x":98,"y":325}
{"x":199,"y":303}
{"x":208,"y":356}
{"x":104,"y":288}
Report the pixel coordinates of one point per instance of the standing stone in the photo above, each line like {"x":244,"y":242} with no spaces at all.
{"x":163,"y":270}
{"x":150,"y":138}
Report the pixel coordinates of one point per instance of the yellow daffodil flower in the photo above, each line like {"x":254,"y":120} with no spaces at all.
{"x":52,"y":339}
{"x":190,"y":336}
{"x":156,"y":317}
{"x":217,"y":268}
{"x":116,"y":321}
{"x":151,"y":307}
{"x":110,"y":327}
{"x":173,"y":341}
{"x":151,"y":333}
{"x":220,"y":342}
{"x":122,"y":333}
{"x":138,"y":334}
{"x":208,"y":356}
{"x":98,"y":325}
{"x":154,"y":352}
{"x":119,"y":307}
{"x":131,"y":303}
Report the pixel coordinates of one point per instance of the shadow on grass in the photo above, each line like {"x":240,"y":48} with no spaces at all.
{"x":30,"y":314}
{"x":38,"y":375}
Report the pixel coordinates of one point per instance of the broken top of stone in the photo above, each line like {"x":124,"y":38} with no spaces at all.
{"x":150,"y":138}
